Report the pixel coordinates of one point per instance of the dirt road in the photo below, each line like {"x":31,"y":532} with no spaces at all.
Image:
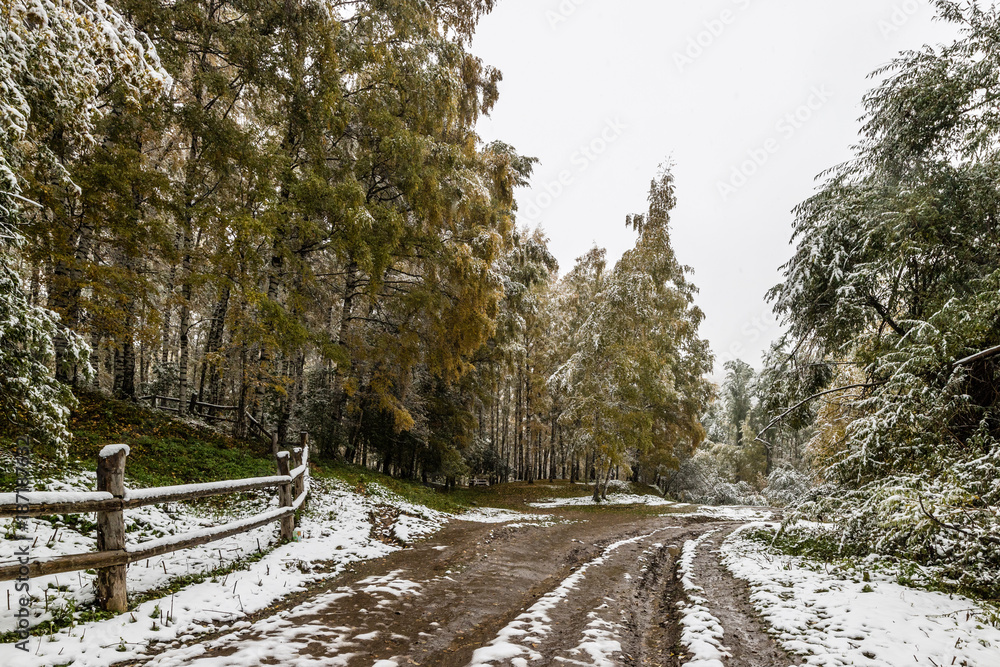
{"x":598,"y":588}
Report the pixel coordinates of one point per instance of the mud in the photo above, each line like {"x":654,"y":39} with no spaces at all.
{"x":439,"y":601}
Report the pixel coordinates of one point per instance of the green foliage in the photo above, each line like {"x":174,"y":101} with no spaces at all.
{"x":894,"y":282}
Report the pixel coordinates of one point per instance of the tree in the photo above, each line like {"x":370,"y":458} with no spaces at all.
{"x":894,"y":284}
{"x":53,"y":61}
{"x":636,"y":384}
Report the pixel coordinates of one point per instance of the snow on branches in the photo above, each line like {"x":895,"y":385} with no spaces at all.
{"x":55,"y":57}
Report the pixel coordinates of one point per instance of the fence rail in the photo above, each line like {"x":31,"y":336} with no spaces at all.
{"x":208,"y":411}
{"x":111,"y":500}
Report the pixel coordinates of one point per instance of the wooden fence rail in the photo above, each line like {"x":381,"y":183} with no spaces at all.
{"x":111,"y":500}
{"x":209,"y":411}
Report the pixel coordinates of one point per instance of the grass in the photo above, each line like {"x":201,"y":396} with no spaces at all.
{"x":164,"y":451}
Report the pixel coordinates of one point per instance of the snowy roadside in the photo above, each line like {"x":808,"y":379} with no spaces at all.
{"x":832,"y":619}
{"x":612,"y":499}
{"x":337,"y":530}
{"x":701,"y":632}
{"x":724,"y":513}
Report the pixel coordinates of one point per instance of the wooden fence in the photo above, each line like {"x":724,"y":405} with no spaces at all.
{"x":111,"y":500}
{"x":210,"y":412}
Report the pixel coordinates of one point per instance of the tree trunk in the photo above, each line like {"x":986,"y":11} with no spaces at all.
{"x":64,"y":298}
{"x":210,"y":366}
{"x":351,"y":283}
{"x":552,"y":449}
{"x":185,"y":323}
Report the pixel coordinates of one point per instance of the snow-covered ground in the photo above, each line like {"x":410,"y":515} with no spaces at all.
{"x":285,"y":637}
{"x":833,"y":619}
{"x":494,"y":515}
{"x":337,"y":531}
{"x":732,"y":513}
{"x":613,"y":499}
{"x":701,"y":632}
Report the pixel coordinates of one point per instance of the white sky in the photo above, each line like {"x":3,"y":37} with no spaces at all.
{"x":577,"y":69}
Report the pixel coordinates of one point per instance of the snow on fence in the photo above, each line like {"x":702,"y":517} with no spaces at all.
{"x":111,"y":500}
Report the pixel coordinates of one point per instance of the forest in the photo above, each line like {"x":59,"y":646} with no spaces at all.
{"x":285,"y":207}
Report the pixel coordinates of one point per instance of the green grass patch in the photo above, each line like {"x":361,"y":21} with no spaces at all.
{"x":65,"y":613}
{"x":164,"y":451}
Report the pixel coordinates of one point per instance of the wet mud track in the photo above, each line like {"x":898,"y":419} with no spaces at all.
{"x":599,"y":590}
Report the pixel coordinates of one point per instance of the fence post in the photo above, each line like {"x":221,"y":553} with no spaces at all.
{"x":303,"y":458}
{"x":299,"y":485}
{"x":285,"y":496}
{"x":112,"y":594}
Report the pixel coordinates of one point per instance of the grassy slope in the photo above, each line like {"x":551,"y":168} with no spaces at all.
{"x":164,"y":450}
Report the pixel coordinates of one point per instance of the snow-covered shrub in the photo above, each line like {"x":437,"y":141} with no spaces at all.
{"x":733,"y":493}
{"x":31,"y":399}
{"x":619,"y":486}
{"x":917,"y":474}
{"x":712,"y":477}
{"x":785,"y":486}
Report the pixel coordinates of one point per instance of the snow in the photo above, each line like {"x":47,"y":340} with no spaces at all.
{"x":221,"y":487}
{"x":52,"y":497}
{"x":702,"y":632}
{"x":111,"y":450}
{"x":493,"y":515}
{"x":732,"y":513}
{"x":833,"y":619}
{"x":613,"y":499}
{"x":600,"y":643}
{"x":336,"y":532}
{"x":286,"y":637}
{"x":153,"y":545}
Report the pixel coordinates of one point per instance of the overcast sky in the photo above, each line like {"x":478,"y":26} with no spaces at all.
{"x":750,"y":99}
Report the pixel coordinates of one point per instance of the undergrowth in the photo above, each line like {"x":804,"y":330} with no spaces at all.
{"x":821,"y":548}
